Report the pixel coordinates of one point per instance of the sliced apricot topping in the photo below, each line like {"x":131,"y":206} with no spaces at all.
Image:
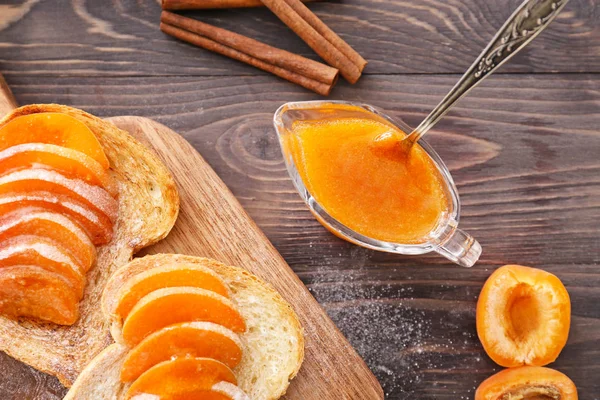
{"x":523,"y":316}
{"x":230,"y":390}
{"x":36,"y":180}
{"x":527,"y":383}
{"x":219,"y":391}
{"x":30,"y":291}
{"x":198,"y":395}
{"x":180,"y":376}
{"x":71,"y":163}
{"x":53,"y":128}
{"x":195,"y":339}
{"x":169,"y":306}
{"x":45,"y":254}
{"x":51,"y":225}
{"x":97,"y":225}
{"x":167,"y":276}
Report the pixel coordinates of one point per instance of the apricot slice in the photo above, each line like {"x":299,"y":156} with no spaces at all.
{"x":181,"y":376}
{"x":45,"y":254}
{"x":523,"y":316}
{"x":98,"y":227}
{"x":195,"y":339}
{"x":167,"y":276}
{"x":30,"y":291}
{"x":219,"y":391}
{"x":196,"y":395}
{"x":71,"y":163}
{"x":230,"y":390}
{"x":57,"y":227}
{"x":169,"y":306}
{"x":527,"y":383}
{"x":199,"y":395}
{"x":53,"y":128}
{"x":35,"y":180}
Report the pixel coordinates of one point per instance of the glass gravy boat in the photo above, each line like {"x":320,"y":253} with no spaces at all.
{"x":445,"y":239}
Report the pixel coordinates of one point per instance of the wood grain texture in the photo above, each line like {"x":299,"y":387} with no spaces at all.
{"x":209,"y":4}
{"x":84,"y":37}
{"x":522,"y":149}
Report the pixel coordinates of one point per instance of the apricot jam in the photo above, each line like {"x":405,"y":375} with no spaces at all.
{"x":357,"y":170}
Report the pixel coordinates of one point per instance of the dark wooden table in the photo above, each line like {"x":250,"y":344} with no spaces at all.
{"x":524,"y":150}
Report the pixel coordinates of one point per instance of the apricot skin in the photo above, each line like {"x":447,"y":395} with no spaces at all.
{"x":527,"y":383}
{"x":71,"y":163}
{"x":196,"y":339}
{"x":44,"y":254}
{"x":40,"y":180}
{"x":523,"y":316}
{"x":168,"y":306}
{"x":98,"y":226}
{"x":167,"y":276}
{"x":53,"y":128}
{"x":196,"y":395}
{"x":181,"y":375}
{"x":54,"y":226}
{"x":29,"y":291}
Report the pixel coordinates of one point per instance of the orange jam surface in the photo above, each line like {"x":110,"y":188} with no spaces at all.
{"x":359,"y":173}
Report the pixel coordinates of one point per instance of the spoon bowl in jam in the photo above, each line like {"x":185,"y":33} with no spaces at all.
{"x":348,"y":164}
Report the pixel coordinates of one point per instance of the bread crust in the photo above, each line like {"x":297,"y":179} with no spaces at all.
{"x":148,"y":208}
{"x":251,"y":295}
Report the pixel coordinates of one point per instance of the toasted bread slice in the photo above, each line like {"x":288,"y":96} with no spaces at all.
{"x":148,"y":208}
{"x":273,"y":344}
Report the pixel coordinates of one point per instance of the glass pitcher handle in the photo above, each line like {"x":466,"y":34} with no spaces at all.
{"x":460,"y":248}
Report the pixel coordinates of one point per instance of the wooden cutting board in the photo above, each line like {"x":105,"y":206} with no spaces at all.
{"x":212,"y":223}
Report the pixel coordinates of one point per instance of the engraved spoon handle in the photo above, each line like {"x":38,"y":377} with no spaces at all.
{"x":532,"y":17}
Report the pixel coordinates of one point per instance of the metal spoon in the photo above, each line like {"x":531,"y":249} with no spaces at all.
{"x":531,"y":18}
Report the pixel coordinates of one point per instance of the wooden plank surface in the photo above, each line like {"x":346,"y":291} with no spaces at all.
{"x":523,"y":149}
{"x":80,"y":37}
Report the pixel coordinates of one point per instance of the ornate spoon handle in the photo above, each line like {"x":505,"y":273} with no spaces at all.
{"x":532,"y":17}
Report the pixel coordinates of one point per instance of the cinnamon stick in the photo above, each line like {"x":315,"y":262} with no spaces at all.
{"x":207,"y":4}
{"x":310,"y":74}
{"x":327,"y":33}
{"x":326,"y":43}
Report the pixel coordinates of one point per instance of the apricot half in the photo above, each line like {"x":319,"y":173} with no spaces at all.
{"x":51,"y":225}
{"x":165,"y":276}
{"x":30,"y":291}
{"x":169,"y":306}
{"x":181,"y":376}
{"x":53,"y":128}
{"x":97,"y":225}
{"x":45,"y":254}
{"x":527,"y":383}
{"x":36,"y":180}
{"x":72,"y":163}
{"x":196,"y":339}
{"x":523,"y":316}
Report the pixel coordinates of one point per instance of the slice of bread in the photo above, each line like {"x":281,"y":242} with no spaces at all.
{"x":273,"y":344}
{"x":148,"y":208}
